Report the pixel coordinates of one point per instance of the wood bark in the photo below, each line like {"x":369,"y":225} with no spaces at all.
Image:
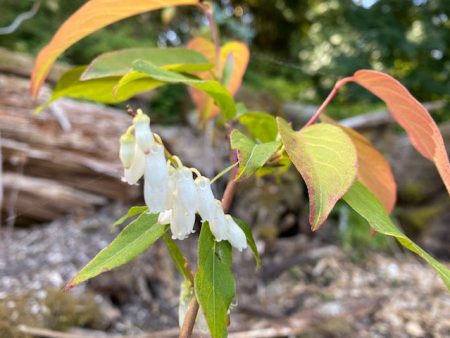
{"x":63,"y":160}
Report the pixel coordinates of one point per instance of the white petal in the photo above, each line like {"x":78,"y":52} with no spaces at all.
{"x":155,"y":196}
{"x":136,"y":170}
{"x":206,"y":203}
{"x":142,"y":132}
{"x":218,"y":224}
{"x":156,"y":169}
{"x":236,"y":235}
{"x":186,"y":189}
{"x":171,"y":196}
{"x":182,"y":222}
{"x":126,"y":151}
{"x":165,"y":217}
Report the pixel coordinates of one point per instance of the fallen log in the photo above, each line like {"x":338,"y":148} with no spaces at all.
{"x":63,"y":160}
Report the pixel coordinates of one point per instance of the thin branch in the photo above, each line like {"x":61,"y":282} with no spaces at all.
{"x":208,"y":11}
{"x":20,"y":19}
{"x":325,"y":103}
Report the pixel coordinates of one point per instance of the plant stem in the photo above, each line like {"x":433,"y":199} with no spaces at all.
{"x":208,"y":11}
{"x":325,"y":103}
{"x":227,"y":199}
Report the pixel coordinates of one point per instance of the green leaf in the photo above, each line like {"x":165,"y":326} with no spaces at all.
{"x":250,"y":240}
{"x":213,"y":88}
{"x":367,"y":205}
{"x":178,"y":258}
{"x":252,"y":155}
{"x":262,"y":126}
{"x":132,"y":241}
{"x":99,"y":90}
{"x":215,"y":286}
{"x":118,"y":63}
{"x":133,"y":211}
{"x":326,"y":158}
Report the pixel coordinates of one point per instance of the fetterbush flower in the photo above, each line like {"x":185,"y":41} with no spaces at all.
{"x":172,"y":191}
{"x":142,"y":131}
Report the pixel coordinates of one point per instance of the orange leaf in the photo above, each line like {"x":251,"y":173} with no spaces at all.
{"x":411,"y":115}
{"x":239,"y":54}
{"x":92,"y":16}
{"x":374,"y":171}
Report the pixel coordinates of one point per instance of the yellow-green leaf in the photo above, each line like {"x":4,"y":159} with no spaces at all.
{"x":262,"y":126}
{"x":92,"y":16}
{"x":326,"y":158}
{"x":118,"y":63}
{"x":367,"y":205}
{"x":252,"y":156}
{"x":99,"y":90}
{"x":213,"y":88}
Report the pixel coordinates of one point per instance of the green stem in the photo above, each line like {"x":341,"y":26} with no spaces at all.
{"x":223,"y":172}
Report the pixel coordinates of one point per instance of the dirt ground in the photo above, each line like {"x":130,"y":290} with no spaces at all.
{"x":306,"y":288}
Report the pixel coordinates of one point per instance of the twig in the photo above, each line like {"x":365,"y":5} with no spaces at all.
{"x":20,"y":19}
{"x":302,"y":321}
{"x":325,"y":103}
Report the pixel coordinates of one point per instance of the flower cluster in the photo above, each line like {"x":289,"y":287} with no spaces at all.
{"x":171,"y":191}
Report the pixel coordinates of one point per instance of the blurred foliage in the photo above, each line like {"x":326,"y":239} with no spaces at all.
{"x":299,"y":48}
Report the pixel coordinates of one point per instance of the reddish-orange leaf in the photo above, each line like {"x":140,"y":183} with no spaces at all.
{"x":373,"y":170}
{"x":92,"y":16}
{"x":411,"y":115}
{"x":234,"y":52}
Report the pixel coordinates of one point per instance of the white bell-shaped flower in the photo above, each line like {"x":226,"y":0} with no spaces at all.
{"x":186,"y":189}
{"x":165,"y":217}
{"x":136,"y":169}
{"x":142,"y":131}
{"x":126,"y":152}
{"x":156,"y":186}
{"x":235,"y":235}
{"x":218,"y":224}
{"x":155,"y":197}
{"x":156,"y":170}
{"x":182,"y":222}
{"x":206,"y":203}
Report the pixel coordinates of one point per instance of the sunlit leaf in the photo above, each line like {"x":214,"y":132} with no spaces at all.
{"x":262,"y":126}
{"x":367,"y":205}
{"x":132,"y":241}
{"x":326,"y":158}
{"x":119,"y":62}
{"x":213,"y":88}
{"x":411,"y":115}
{"x":373,"y":169}
{"x":215,"y":285}
{"x":234,"y":57}
{"x":250,"y":240}
{"x":92,"y":16}
{"x":252,"y":155}
{"x":99,"y":90}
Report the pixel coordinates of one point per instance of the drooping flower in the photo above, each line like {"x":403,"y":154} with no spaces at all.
{"x":235,"y":235}
{"x":182,"y":222}
{"x":126,"y":152}
{"x":206,"y":202}
{"x":218,"y":223}
{"x":156,"y":177}
{"x":186,"y":190}
{"x":142,"y":131}
{"x":136,"y":170}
